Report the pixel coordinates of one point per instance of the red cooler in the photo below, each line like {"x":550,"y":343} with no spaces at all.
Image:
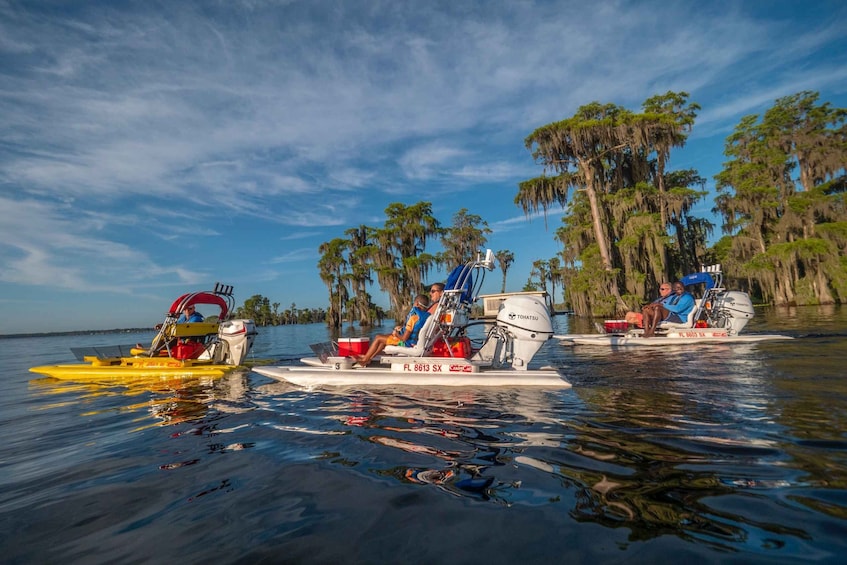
{"x":352,"y":346}
{"x":615,"y":326}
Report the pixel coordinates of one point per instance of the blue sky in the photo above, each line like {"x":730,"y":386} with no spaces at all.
{"x":153,"y":148}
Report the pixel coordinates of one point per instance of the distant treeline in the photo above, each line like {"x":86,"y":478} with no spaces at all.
{"x":265,"y":313}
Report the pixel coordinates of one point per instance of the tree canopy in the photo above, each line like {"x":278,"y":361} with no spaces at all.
{"x":629,"y":221}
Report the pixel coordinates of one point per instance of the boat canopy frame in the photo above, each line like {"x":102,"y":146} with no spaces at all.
{"x":449,"y":320}
{"x":712,"y":277}
{"x":221,"y":296}
{"x":460,"y":292}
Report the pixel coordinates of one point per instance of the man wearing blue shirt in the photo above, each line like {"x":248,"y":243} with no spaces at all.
{"x":637,"y":318}
{"x":189,"y":315}
{"x":675,"y":309}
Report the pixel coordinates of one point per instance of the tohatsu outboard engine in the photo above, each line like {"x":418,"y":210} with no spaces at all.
{"x":235,"y":339}
{"x":523,"y":325}
{"x":731,"y":310}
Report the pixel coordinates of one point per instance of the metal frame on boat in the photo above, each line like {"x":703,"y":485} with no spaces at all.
{"x":443,"y":355}
{"x":719,"y":316}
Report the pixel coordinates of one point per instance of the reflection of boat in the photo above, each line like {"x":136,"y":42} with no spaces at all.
{"x":718,"y":316}
{"x":195,"y":349}
{"x":444,"y":355}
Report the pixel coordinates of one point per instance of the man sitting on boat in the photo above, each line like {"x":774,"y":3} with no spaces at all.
{"x":404,"y":336}
{"x":637,"y":318}
{"x":189,"y":314}
{"x":675,"y":309}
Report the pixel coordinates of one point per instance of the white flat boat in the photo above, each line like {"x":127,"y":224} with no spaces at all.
{"x":718,"y":317}
{"x":411,"y":371}
{"x":444,"y":355}
{"x":682,"y":338}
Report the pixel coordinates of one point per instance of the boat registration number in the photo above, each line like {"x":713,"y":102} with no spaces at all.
{"x":436,"y":368}
{"x":703,"y":334}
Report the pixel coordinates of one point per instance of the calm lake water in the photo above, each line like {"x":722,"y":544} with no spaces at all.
{"x":714,"y":454}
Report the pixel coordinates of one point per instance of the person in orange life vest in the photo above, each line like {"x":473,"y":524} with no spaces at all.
{"x":637,"y":318}
{"x":405,"y":335}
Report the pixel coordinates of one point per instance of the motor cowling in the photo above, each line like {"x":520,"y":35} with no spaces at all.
{"x":527,"y":322}
{"x":734,"y":309}
{"x":236,"y":337}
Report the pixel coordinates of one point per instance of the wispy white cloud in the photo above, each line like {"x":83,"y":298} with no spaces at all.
{"x":294,"y":256}
{"x":56,"y":245}
{"x":518,"y":222}
{"x":428,"y":160}
{"x":494,"y":172}
{"x":300,"y":235}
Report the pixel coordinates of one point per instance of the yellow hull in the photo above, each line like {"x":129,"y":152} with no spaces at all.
{"x":133,"y":368}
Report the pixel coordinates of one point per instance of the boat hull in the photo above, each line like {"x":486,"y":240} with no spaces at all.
{"x":438,"y":372}
{"x":132,"y":369}
{"x":684,"y":338}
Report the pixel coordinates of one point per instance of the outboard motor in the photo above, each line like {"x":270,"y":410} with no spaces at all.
{"x":523,"y":325}
{"x":732,"y":310}
{"x":236,"y":339}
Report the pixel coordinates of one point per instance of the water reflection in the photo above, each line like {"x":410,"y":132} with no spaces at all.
{"x":167,"y":401}
{"x":739,"y":452}
{"x":659,"y":442}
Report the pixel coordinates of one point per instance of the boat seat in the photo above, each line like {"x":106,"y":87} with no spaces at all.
{"x":427,"y":336}
{"x":688,"y":323}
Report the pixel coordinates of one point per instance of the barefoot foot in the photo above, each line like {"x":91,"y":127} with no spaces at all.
{"x":361,"y":361}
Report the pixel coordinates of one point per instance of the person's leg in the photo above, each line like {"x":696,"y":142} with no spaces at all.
{"x":647,"y":319}
{"x":377,"y":345}
{"x":651,"y":320}
{"x":659,"y":313}
{"x":646,"y":314}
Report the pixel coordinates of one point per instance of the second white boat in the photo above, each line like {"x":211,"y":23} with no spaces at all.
{"x":719,"y":316}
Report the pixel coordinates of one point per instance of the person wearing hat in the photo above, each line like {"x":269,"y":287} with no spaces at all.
{"x":189,"y":315}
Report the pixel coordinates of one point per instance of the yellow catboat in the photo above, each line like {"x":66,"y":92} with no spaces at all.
{"x":179,"y":350}
{"x":130,"y":368}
